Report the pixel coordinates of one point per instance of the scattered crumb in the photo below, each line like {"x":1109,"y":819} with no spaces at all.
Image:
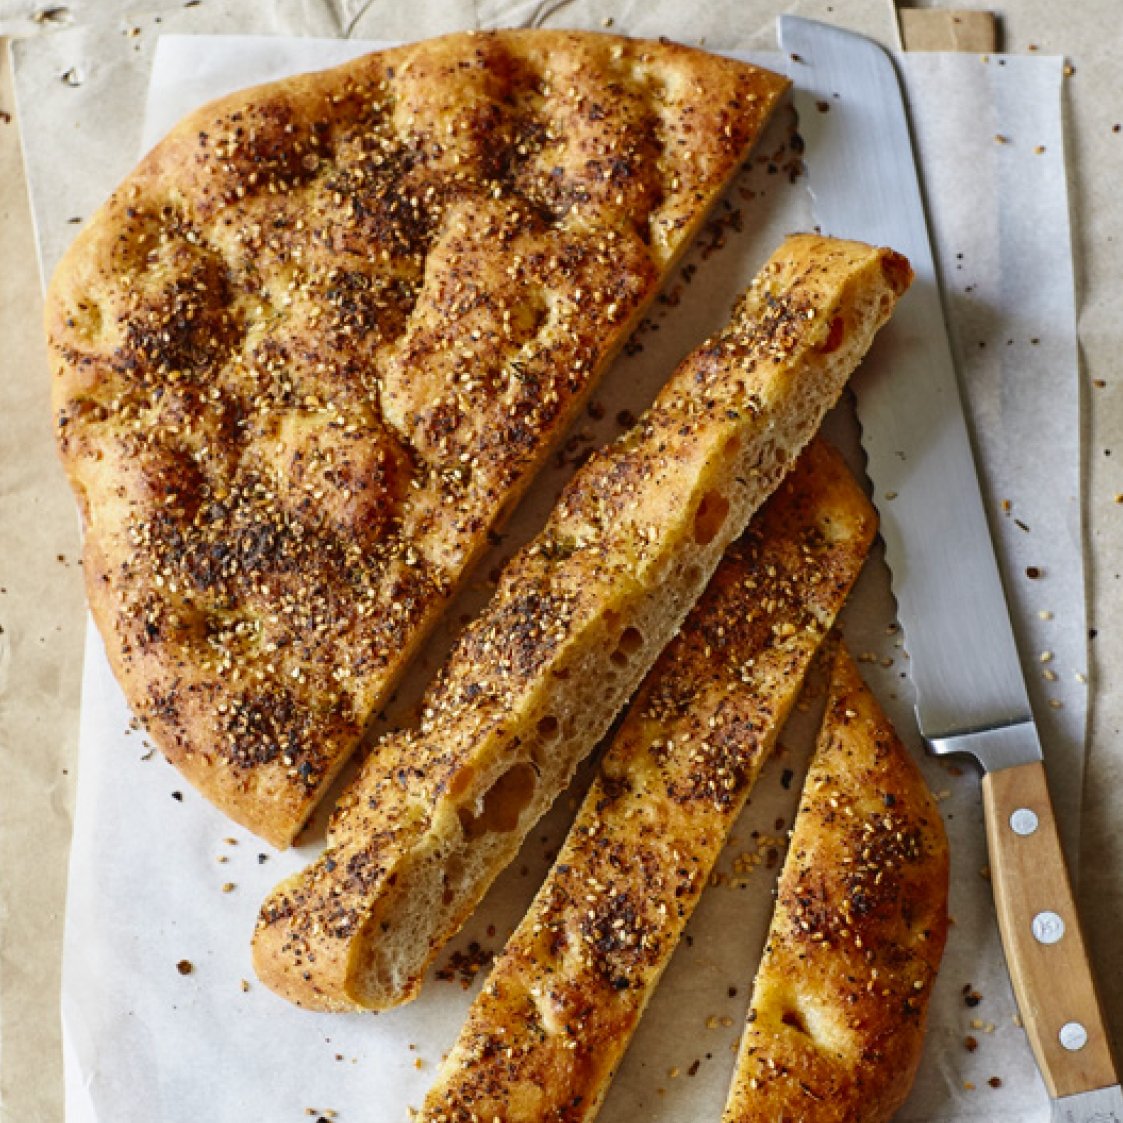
{"x":57,"y":14}
{"x":995,"y":1082}
{"x":970,"y":1043}
{"x":185,"y":966}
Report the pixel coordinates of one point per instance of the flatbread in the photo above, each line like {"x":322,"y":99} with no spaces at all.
{"x":315,"y":346}
{"x":836,"y":1024}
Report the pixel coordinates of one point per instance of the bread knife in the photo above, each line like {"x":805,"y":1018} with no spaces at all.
{"x":970,"y":690}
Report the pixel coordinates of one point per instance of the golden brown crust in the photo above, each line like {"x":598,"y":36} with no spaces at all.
{"x":836,"y":1024}
{"x":318,"y":342}
{"x":547,"y":1032}
{"x":579,"y":616}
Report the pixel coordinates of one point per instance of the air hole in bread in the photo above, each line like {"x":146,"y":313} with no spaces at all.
{"x":710,"y":517}
{"x":503,"y":803}
{"x":548,"y":727}
{"x":631,"y":641}
{"x":454,"y":873}
{"x":834,"y":337}
{"x":794,"y":1019}
{"x":461,"y":781}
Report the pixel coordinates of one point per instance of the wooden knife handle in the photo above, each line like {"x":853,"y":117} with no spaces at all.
{"x":1045,"y":948}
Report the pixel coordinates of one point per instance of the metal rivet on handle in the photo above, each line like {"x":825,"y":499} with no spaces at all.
{"x":1048,"y":927}
{"x":1023,"y":821}
{"x":1073,"y":1036}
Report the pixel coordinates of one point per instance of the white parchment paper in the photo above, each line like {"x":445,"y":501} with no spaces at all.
{"x":163,"y":1019}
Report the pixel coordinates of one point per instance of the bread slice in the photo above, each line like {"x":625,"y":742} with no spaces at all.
{"x":578,"y":618}
{"x":320,"y":340}
{"x":836,"y":1024}
{"x":548,"y":1030}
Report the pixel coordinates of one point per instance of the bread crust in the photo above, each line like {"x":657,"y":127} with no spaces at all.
{"x":579,"y":616}
{"x":317,"y":344}
{"x":547,"y":1032}
{"x":836,"y":1024}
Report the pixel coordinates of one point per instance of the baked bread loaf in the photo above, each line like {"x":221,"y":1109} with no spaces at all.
{"x":579,"y":616}
{"x":319,"y":341}
{"x":836,"y":1025}
{"x":545,"y":1035}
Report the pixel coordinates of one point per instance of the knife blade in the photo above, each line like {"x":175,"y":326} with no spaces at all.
{"x":963,"y":660}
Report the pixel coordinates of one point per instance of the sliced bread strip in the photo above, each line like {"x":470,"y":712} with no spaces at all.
{"x":547,"y":1032}
{"x":579,"y":617}
{"x":836,"y":1025}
